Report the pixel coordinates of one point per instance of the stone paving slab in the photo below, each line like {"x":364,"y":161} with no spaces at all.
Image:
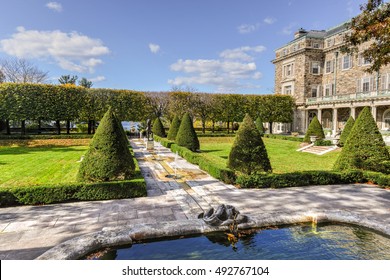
{"x":28,"y":231}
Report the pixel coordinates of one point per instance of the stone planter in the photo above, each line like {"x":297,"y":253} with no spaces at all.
{"x":313,"y":139}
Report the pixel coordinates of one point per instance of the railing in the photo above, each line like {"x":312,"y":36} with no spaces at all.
{"x":352,"y":96}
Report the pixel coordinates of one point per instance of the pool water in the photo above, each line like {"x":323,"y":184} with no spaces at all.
{"x":297,"y":242}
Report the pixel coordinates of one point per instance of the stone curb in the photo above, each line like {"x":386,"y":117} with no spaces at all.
{"x":80,"y":246}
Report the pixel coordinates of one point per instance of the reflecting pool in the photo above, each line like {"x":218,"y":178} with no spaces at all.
{"x":296,"y":242}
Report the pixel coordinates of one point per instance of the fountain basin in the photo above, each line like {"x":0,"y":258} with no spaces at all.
{"x":81,"y":246}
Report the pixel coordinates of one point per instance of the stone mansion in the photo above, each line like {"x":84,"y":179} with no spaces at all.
{"x":327,"y":83}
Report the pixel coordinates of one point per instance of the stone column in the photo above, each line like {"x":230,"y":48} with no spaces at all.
{"x":306,"y":120}
{"x":319,"y":115}
{"x":334,"y":122}
{"x":353,"y":112}
{"x":373,"y":111}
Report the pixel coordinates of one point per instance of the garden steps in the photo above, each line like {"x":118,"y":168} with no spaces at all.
{"x":318,"y":150}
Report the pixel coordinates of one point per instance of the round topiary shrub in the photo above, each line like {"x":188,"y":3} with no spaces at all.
{"x":108,"y":157}
{"x":364,"y":148}
{"x":248,"y":153}
{"x":186,"y":136}
{"x":174,"y":128}
{"x":158,"y":128}
{"x":314,"y":129}
{"x":346,"y":131}
{"x":259,"y":126}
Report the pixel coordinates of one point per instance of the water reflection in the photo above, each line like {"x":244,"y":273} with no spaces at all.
{"x":325,"y":241}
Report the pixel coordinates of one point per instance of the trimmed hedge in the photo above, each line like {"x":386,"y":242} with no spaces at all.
{"x":296,"y":179}
{"x":186,"y":136}
{"x":248,"y":153}
{"x":108,"y":157}
{"x":346,"y":131}
{"x":272,"y":180}
{"x":216,"y":135}
{"x":364,"y":148}
{"x":158,"y":128}
{"x":33,"y":195}
{"x":45,"y":136}
{"x":323,"y":143}
{"x":283,"y":137}
{"x":314,"y":129}
{"x":174,"y":128}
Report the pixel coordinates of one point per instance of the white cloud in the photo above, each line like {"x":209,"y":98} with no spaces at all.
{"x":269,"y":20}
{"x":235,"y":69}
{"x":71,"y":51}
{"x":98,"y":79}
{"x":154,"y":48}
{"x":288,"y":30}
{"x":248,"y":28}
{"x":55,"y":6}
{"x":242,"y":53}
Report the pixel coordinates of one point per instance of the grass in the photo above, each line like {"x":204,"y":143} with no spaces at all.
{"x":282,"y":154}
{"x":23,"y":165}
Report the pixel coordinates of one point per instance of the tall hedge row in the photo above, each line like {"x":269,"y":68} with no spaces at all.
{"x":67,"y":103}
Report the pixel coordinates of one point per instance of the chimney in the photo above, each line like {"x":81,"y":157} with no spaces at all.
{"x":301,"y":32}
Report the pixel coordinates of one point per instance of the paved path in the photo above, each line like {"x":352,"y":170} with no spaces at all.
{"x":28,"y":231}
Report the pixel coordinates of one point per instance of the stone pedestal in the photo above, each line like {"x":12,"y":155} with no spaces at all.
{"x":149,"y":145}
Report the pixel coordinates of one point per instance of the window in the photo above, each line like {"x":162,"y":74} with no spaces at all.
{"x":314,"y":92}
{"x":347,"y":62}
{"x":329,"y":90}
{"x":316,"y":45}
{"x":329,"y":66}
{"x":287,"y":90}
{"x":315,"y":68}
{"x":366,"y":84}
{"x":329,"y":42}
{"x":285,"y":52}
{"x":288,"y":70}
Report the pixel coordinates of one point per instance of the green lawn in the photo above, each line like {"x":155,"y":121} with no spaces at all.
{"x":20,"y":166}
{"x":282,"y":153}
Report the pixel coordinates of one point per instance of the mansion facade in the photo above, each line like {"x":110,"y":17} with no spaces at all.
{"x":327,"y":83}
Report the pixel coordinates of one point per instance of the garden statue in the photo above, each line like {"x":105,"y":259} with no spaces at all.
{"x":149,"y":135}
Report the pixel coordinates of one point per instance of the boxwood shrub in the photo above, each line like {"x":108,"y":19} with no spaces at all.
{"x":283,"y":137}
{"x":34,"y":195}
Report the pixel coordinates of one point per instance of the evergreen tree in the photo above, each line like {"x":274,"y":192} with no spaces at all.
{"x":174,"y":128}
{"x":108,"y":157}
{"x":158,"y":128}
{"x":186,"y":136}
{"x":248,"y":153}
{"x":364,"y":148}
{"x":314,"y":129}
{"x":346,"y":131}
{"x":259,"y":126}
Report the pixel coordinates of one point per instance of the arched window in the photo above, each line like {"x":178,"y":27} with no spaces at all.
{"x":386,"y":119}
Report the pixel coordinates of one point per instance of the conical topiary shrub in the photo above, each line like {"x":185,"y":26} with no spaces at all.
{"x":259,"y":126}
{"x":186,"y":136}
{"x":108,"y":157}
{"x":158,"y":128}
{"x":364,"y":148}
{"x":314,"y":129}
{"x":248,"y":153}
{"x":174,"y":128}
{"x":346,"y":131}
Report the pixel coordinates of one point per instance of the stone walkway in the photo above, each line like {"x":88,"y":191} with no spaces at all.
{"x":26,"y":232}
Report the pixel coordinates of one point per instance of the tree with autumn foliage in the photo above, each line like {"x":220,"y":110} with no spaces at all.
{"x":372,"y":25}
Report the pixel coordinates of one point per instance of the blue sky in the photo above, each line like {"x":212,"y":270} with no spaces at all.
{"x":154,"y":45}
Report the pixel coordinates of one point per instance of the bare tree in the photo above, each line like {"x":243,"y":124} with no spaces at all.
{"x":158,"y":103}
{"x":2,"y":77}
{"x":17,"y":70}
